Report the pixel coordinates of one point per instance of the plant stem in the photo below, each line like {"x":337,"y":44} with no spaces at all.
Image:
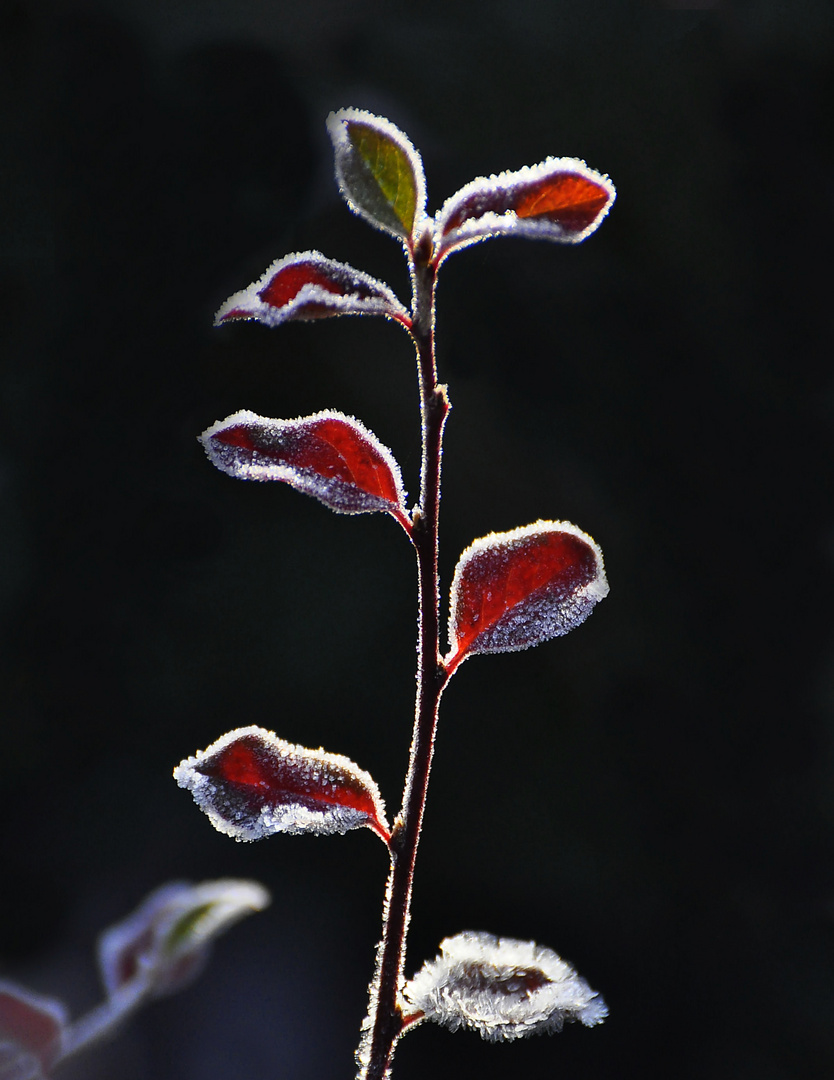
{"x":385,"y":1017}
{"x":102,"y":1020}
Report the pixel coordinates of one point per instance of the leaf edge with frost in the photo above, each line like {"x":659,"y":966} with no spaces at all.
{"x":489,"y":223}
{"x":248,"y":305}
{"x":292,"y":821}
{"x":303,"y":480}
{"x":583,"y":601}
{"x":353,"y":183}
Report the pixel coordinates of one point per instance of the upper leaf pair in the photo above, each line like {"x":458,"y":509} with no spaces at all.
{"x":381,"y":177}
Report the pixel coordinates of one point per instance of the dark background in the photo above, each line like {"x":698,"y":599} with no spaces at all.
{"x":652,"y":796}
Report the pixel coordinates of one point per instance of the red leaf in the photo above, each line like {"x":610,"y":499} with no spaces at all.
{"x":34,"y":1025}
{"x":306,"y":285}
{"x":516,"y":589}
{"x":253,"y":784}
{"x":559,"y":199}
{"x":328,"y":455}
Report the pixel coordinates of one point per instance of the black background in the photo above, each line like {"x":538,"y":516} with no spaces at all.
{"x":652,"y":796}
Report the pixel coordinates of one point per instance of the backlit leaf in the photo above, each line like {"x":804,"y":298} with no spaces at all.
{"x":559,"y":199}
{"x":328,"y":455}
{"x":252,"y":784}
{"x":502,"y":988}
{"x":380,"y":173}
{"x":32,"y":1032}
{"x":164,"y":944}
{"x":519,"y":588}
{"x":306,"y":285}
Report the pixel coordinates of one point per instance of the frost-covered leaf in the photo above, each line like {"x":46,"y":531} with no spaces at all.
{"x":558,"y":199}
{"x":306,"y":285}
{"x":519,"y":588}
{"x":164,"y":944}
{"x":501,"y":988}
{"x":32,"y":1032}
{"x":380,"y":173}
{"x":328,"y":455}
{"x":253,"y":784}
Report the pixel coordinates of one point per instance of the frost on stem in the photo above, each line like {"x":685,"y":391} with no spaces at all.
{"x":380,"y":174}
{"x":501,"y":988}
{"x":252,"y":784}
{"x":306,"y":285}
{"x":559,"y":199}
{"x":363,"y":1051}
{"x":328,"y":455}
{"x":516,"y":589}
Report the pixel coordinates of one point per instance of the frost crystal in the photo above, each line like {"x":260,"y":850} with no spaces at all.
{"x":501,"y":988}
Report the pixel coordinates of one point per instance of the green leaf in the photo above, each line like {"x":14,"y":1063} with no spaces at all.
{"x":187,"y":927}
{"x":390,"y":168}
{"x":380,"y":173}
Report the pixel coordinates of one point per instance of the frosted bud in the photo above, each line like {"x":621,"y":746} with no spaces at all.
{"x":502,"y":988}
